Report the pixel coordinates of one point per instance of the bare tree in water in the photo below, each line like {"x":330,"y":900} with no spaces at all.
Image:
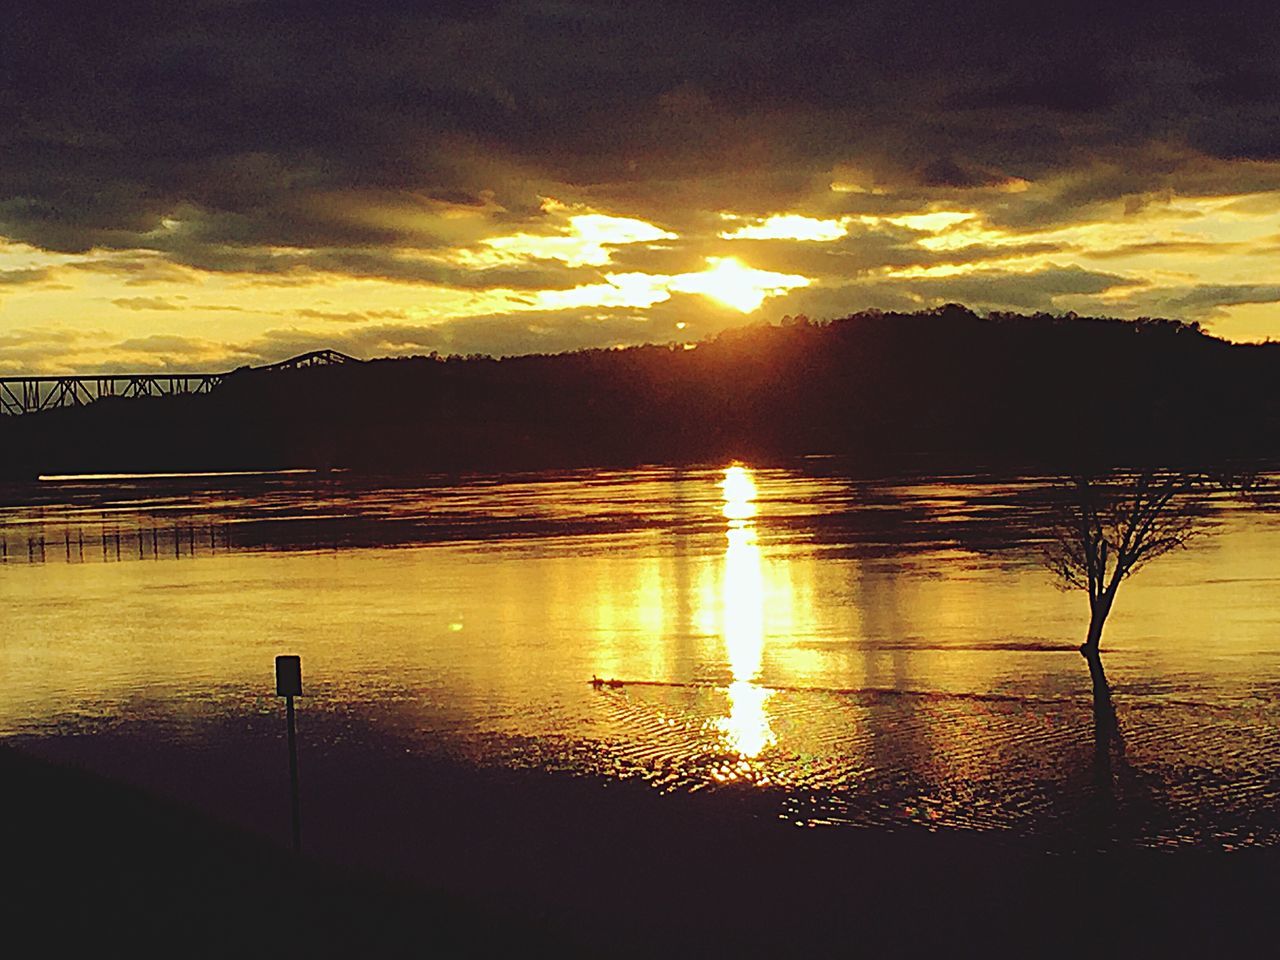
{"x":1106,"y":528}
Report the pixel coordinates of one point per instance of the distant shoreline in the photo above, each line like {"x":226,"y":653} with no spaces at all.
{"x":946,"y":387}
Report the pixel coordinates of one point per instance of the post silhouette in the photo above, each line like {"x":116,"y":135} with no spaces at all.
{"x":289,"y":685}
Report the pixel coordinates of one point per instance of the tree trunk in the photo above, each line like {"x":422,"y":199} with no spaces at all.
{"x":1106,"y":730}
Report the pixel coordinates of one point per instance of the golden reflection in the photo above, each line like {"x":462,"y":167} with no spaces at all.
{"x":739,"y":497}
{"x":742,"y":618}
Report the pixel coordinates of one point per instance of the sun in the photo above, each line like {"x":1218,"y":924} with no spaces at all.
{"x":729,"y":281}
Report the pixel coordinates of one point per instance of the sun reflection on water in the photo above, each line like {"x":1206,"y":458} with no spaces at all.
{"x":739,"y":497}
{"x":742,"y":618}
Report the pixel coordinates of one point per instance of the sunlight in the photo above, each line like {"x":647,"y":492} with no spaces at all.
{"x":731,"y":282}
{"x":583,"y":239}
{"x":789,"y":226}
{"x":619,"y":290}
{"x":739,"y":494}
{"x":1176,"y":244}
{"x":728,"y":281}
{"x":742,"y":618}
{"x":935,"y":222}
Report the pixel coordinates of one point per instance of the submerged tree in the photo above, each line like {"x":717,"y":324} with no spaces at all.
{"x":1105,"y":528}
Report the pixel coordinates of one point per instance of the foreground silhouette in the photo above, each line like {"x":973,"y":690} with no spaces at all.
{"x":418,"y":857}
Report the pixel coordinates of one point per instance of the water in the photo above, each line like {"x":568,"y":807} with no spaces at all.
{"x":859,"y":652}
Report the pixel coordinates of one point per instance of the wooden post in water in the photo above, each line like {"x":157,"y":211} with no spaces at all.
{"x":289,"y":685}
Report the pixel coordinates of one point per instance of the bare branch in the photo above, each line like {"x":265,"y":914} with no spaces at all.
{"x":1104,"y":528}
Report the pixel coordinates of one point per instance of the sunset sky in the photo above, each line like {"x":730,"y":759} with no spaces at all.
{"x":220,"y":182}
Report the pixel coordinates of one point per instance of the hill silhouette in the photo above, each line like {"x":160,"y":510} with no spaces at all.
{"x":944,"y":387}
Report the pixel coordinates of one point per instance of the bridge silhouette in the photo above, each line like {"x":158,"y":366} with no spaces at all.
{"x":25,"y":395}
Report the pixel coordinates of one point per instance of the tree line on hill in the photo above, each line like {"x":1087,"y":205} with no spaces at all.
{"x":944,"y":387}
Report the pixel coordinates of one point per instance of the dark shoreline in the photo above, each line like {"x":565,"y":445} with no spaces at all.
{"x":92,"y":864}
{"x":465,"y":861}
{"x":942,"y":388}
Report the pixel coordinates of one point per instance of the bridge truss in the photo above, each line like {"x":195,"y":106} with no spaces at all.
{"x":24,"y":395}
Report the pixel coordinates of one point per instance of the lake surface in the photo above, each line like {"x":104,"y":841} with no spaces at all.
{"x":857,"y":652}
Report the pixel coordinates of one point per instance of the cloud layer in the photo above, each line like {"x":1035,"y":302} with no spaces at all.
{"x":496,"y":176}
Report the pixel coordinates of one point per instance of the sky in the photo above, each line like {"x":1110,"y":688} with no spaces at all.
{"x":219,"y":182}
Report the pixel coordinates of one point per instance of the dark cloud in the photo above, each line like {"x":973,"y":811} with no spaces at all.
{"x":29,"y":349}
{"x":865,"y":248}
{"x":872,"y":251}
{"x":351,"y":316}
{"x":1037,"y":290}
{"x":1201,"y":301}
{"x":163,"y":344}
{"x":162,"y":353}
{"x":1048,"y":289}
{"x":274,"y":124}
{"x":510,"y":334}
{"x":1163,"y":247}
{"x":21,"y":338}
{"x":1229,"y":294}
{"x":137,"y":271}
{"x":24,"y":276}
{"x":1076,"y":91}
{"x":1053,"y":290}
{"x":946,"y":172}
{"x":275,"y":265}
{"x":146,"y":303}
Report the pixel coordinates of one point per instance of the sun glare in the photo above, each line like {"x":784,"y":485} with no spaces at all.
{"x":636,"y":290}
{"x":739,"y":494}
{"x":584,"y":239}
{"x":729,"y":281}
